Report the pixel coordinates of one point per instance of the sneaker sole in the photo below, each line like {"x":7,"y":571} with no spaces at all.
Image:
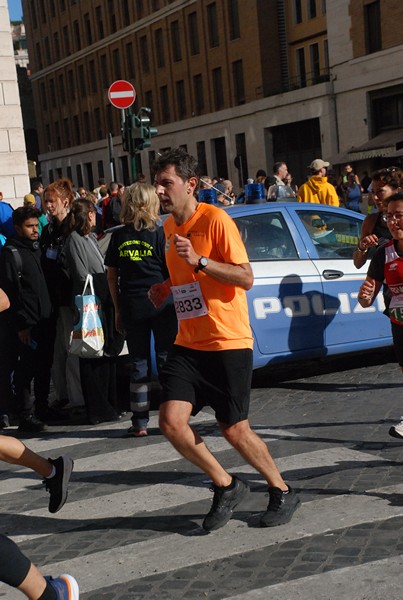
{"x":284,"y":520}
{"x":395,"y":434}
{"x":245,"y":492}
{"x":74,"y":592}
{"x":68,"y":465}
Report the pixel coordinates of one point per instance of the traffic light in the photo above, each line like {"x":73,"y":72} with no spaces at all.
{"x":126,"y":131}
{"x":146,"y":132}
{"x":137,"y":132}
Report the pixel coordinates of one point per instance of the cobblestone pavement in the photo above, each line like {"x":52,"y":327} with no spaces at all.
{"x":131,"y":528}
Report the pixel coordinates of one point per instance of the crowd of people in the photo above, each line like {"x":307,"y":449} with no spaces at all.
{"x":172,"y":282}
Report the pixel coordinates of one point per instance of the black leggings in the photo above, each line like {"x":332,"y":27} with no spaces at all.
{"x":14,"y":565}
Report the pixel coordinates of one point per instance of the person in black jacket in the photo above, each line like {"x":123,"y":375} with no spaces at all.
{"x":29,"y":320}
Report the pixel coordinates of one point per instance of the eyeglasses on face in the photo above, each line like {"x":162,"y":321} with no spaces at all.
{"x":397,"y":216}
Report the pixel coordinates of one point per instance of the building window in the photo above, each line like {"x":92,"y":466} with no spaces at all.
{"x":233,"y":14}
{"x":62,"y":5}
{"x":326,"y":55}
{"x":79,"y":172}
{"x":315,"y":62}
{"x":159,"y":48}
{"x":76,"y":129}
{"x":176,"y":41}
{"x":149,"y":98}
{"x":69,"y":173}
{"x":212,"y":25}
{"x":66,"y":133}
{"x":193,"y":34}
{"x":52,"y":93}
{"x":38,"y":54}
{"x":155,"y":5}
{"x":100,"y":167}
{"x":33,"y":15}
{"x":98,"y":124}
{"x":164,"y":99}
{"x":311,"y":9}
{"x":116,"y":63}
{"x":71,"y":84}
{"x":144,"y":54}
{"x":42,"y":10}
{"x":297,"y":11}
{"x":323,"y":5}
{"x":130,"y":61}
{"x":125,"y":13}
{"x":48,"y":57}
{"x":99,"y":22}
{"x":82,"y":80}
{"x":56,"y":45}
{"x":301,"y":70}
{"x":181,"y":99}
{"x":88,"y":30}
{"x":372,"y":25}
{"x":57,"y":135}
{"x":201,"y":157}
{"x":218,"y":89}
{"x":111,"y":16}
{"x":62,"y":91}
{"x":140,"y":9}
{"x":387,"y":109}
{"x":43,"y":99}
{"x":198,"y":94}
{"x":87,"y":126}
{"x":66,"y":40}
{"x":239,"y":87}
{"x":77,"y":36}
{"x":103,"y":61}
{"x":93,"y":76}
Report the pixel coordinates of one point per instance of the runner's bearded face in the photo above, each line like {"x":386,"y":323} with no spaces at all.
{"x":171,"y":190}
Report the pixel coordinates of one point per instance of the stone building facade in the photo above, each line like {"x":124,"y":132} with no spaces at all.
{"x":241,"y":84}
{"x":14,"y":180}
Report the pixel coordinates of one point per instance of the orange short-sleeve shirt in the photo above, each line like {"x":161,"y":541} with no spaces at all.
{"x":213,"y":234}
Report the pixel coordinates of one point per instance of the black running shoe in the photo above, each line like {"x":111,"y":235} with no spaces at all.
{"x":281,"y":507}
{"x":57,"y":485}
{"x":31,"y":425}
{"x":224,"y":502}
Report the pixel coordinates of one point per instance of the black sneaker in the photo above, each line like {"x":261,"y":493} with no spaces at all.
{"x":57,"y":485}
{"x":31,"y":424}
{"x":224,"y":502}
{"x":4,"y":422}
{"x":281,"y":507}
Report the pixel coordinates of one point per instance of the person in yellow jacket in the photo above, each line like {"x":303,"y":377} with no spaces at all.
{"x":317,"y":189}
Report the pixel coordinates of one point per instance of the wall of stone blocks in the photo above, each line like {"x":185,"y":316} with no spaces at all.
{"x":14,"y":180}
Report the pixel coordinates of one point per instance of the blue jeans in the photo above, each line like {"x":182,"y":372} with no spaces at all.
{"x":140,"y":321}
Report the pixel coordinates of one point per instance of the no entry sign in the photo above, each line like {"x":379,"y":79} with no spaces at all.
{"x":122,"y":94}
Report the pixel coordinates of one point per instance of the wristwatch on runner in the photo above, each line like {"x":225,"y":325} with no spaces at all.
{"x":202,"y":264}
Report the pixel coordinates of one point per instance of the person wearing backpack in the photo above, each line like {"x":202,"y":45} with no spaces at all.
{"x":27,"y":326}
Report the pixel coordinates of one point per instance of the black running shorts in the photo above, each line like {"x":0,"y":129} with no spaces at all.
{"x":220,"y":379}
{"x":397,"y":334}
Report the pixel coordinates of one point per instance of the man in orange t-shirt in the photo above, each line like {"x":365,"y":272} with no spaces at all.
{"x":212,"y":359}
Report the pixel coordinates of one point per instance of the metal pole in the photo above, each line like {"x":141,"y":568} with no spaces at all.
{"x":134,"y":167}
{"x":110,"y":149}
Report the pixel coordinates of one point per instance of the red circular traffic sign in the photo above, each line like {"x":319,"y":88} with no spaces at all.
{"x":122,"y":94}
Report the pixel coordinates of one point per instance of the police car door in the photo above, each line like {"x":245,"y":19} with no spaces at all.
{"x":287,"y":288}
{"x":333,"y":235}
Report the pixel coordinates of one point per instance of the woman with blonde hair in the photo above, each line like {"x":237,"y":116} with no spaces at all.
{"x":135,"y":261}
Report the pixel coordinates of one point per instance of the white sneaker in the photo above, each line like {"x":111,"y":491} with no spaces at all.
{"x":397,"y":430}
